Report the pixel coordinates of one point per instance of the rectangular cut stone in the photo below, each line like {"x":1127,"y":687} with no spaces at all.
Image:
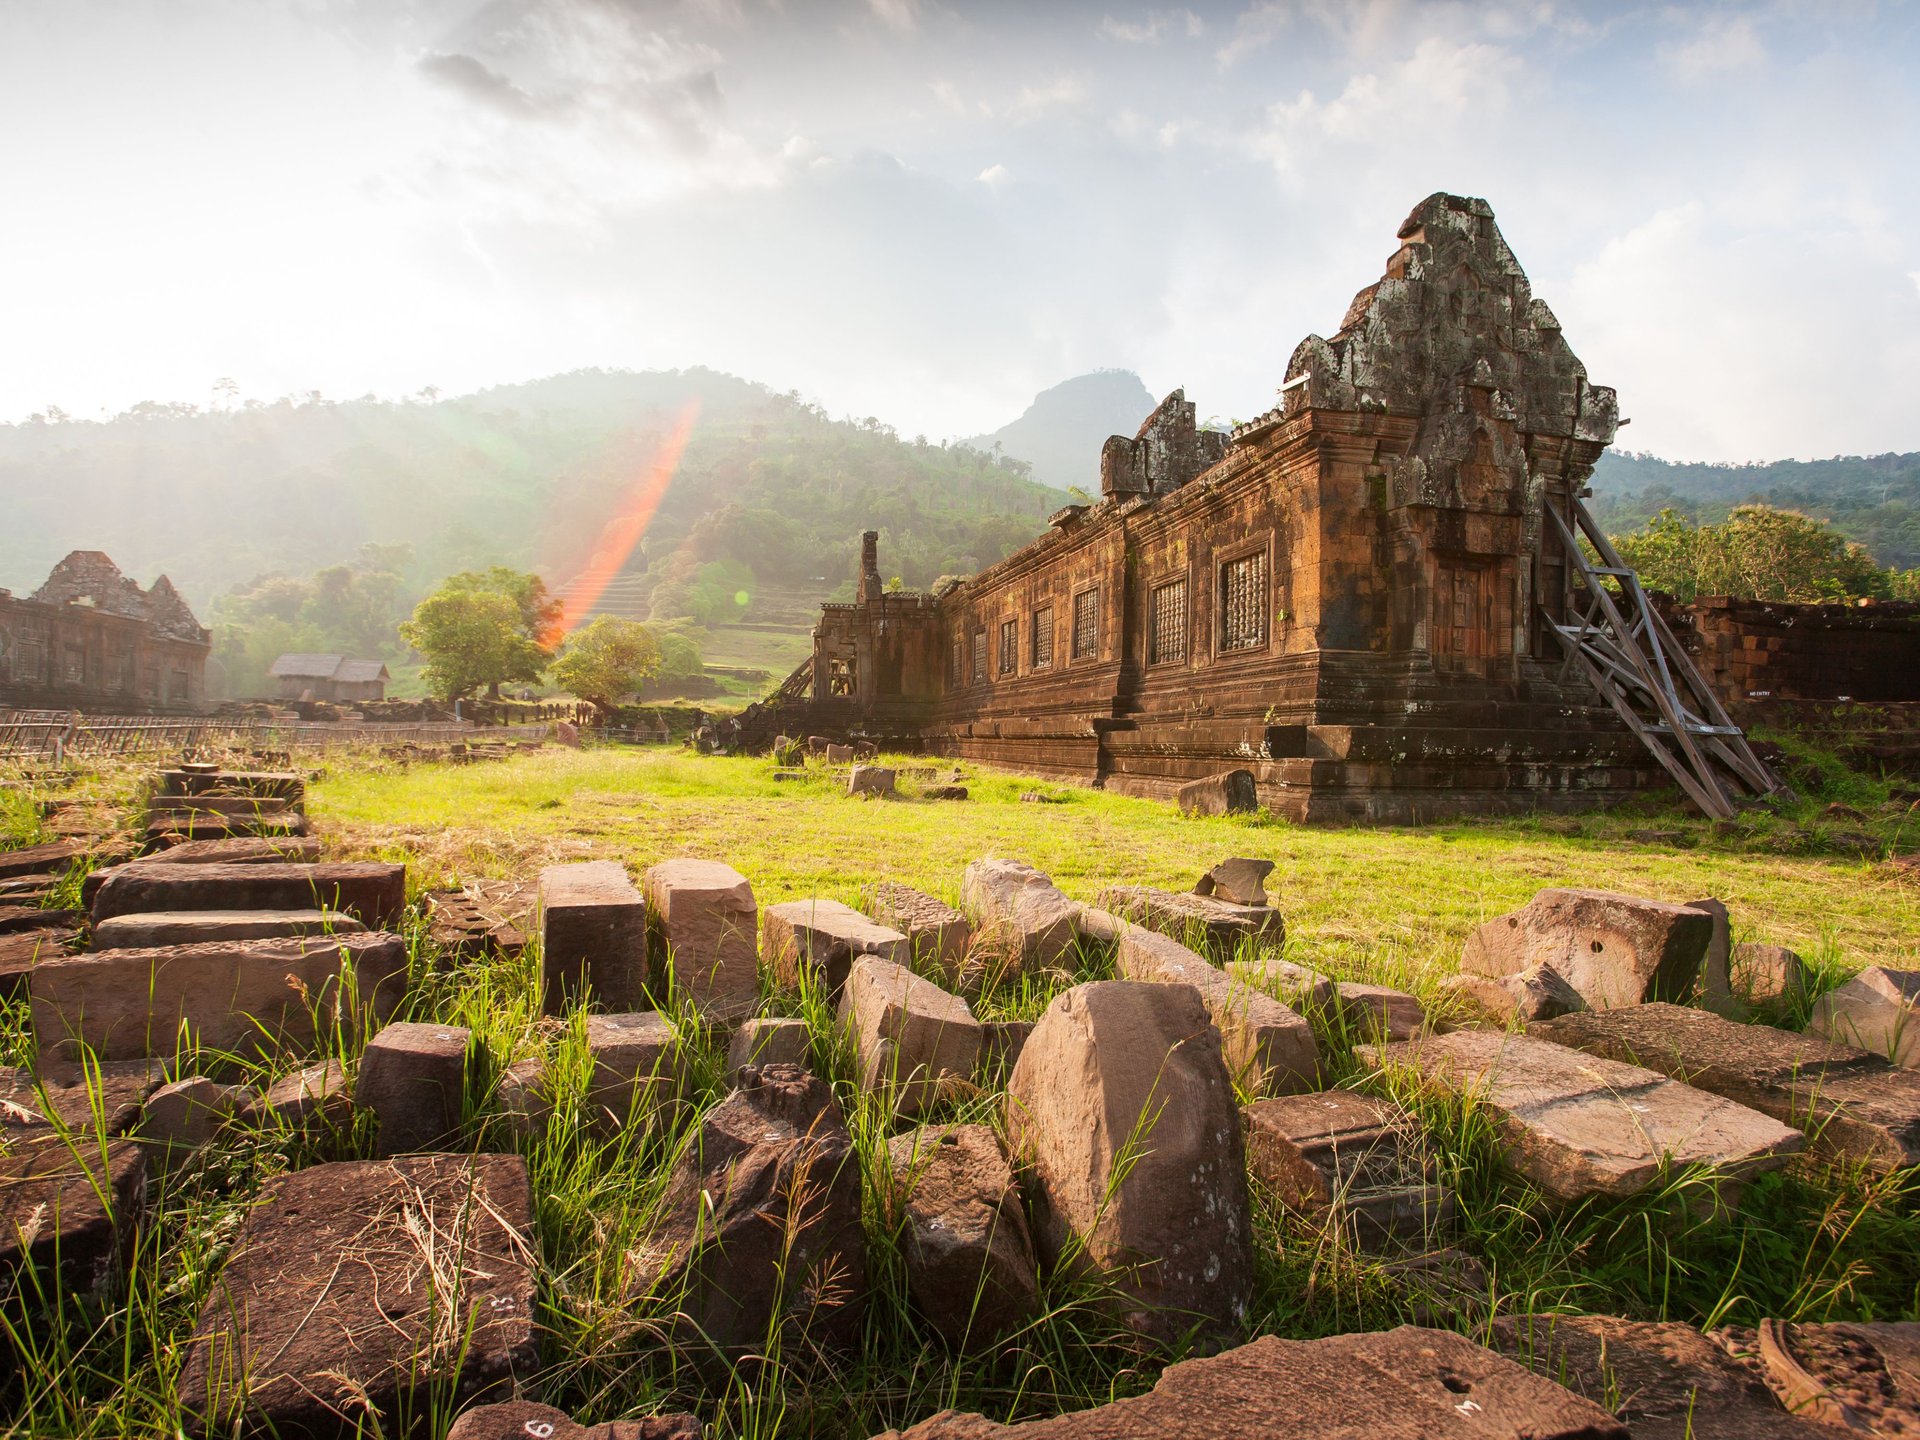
{"x":1612,"y":949}
{"x":1295,"y":984}
{"x":822,"y":937}
{"x":593,"y":936}
{"x":283,"y":785}
{"x":636,"y":1066}
{"x":1878,"y":1009}
{"x":1378,"y":1012}
{"x":702,"y":913}
{"x":372,"y":891}
{"x":197,"y":927}
{"x":915,"y":1041}
{"x":1850,"y":1102}
{"x":1269,"y":1046}
{"x":1023,"y":914}
{"x":64,"y":1212}
{"x":244,"y":850}
{"x":48,"y":859}
{"x":1578,"y":1125}
{"x":252,"y":996}
{"x":413,"y":1078}
{"x":939,"y":933}
{"x":1222,"y":926}
{"x":369,"y":1284}
{"x":103,"y":1097}
{"x":1358,"y":1156}
{"x":22,"y":950}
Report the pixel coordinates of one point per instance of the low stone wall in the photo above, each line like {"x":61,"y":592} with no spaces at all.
{"x":1755,"y":649}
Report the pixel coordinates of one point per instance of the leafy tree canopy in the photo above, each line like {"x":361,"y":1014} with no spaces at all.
{"x":1757,"y":553}
{"x":608,"y":659}
{"x":479,"y":635}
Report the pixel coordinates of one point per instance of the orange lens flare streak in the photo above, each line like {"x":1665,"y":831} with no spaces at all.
{"x":625,"y":530}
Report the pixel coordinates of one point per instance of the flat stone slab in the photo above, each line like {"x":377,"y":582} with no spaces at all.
{"x":48,"y":859}
{"x":525,"y":1420}
{"x":1878,"y":1010}
{"x":15,"y":919}
{"x":413,"y":1077}
{"x":22,"y":950}
{"x":286,"y":786}
{"x":244,"y":850}
{"x":249,"y":996}
{"x":1269,"y":1046}
{"x":198,"y":927}
{"x":636,"y":1067}
{"x":1357,"y":1157}
{"x":1404,"y":1384}
{"x":1578,"y":1125}
{"x":1222,"y":926}
{"x":372,"y":891}
{"x":1850,"y":1102}
{"x":65,"y":1214}
{"x":1665,"y":1380}
{"x":382,"y":1279}
{"x":593,"y":928}
{"x":1295,"y":984}
{"x":822,"y":937}
{"x":1378,"y":1012}
{"x":939,"y":933}
{"x":701,"y":915}
{"x":110,"y":1092}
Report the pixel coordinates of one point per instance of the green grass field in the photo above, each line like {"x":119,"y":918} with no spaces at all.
{"x":1811,"y":1242}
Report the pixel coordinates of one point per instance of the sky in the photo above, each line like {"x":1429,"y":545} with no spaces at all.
{"x":927,"y":212}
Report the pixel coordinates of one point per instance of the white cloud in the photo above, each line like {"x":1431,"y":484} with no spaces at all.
{"x":994,"y":175}
{"x":1254,"y":27}
{"x":1156,"y":24}
{"x":1034,"y":102}
{"x":1722,"y":44}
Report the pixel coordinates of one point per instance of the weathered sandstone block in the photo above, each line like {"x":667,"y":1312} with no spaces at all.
{"x":181,"y":1119}
{"x":823,"y":937}
{"x":199,"y":927}
{"x":1536,"y":994}
{"x":1404,"y":1384}
{"x":251,"y":996}
{"x":593,"y":936}
{"x":1577,"y":1125}
{"x":636,"y":1067}
{"x":940,"y":934}
{"x":1239,"y":880}
{"x":373,"y":892}
{"x":1851,"y":1102}
{"x":331,"y":1303}
{"x":1122,"y":1109}
{"x":316,"y":1095}
{"x":970,"y":1265}
{"x":1269,"y":1046}
{"x":915,"y":1041}
{"x":1612,"y":949}
{"x":702,"y":913}
{"x":769,"y":1041}
{"x":1359,"y":1158}
{"x":1878,"y":1010}
{"x":413,"y":1077}
{"x":103,"y":1098}
{"x":1767,"y":973}
{"x":67,"y":1209}
{"x":870,"y":780}
{"x":1022,"y":913}
{"x":1377,"y":1012}
{"x":761,"y":1220}
{"x":1231,"y":792}
{"x":1225,"y":928}
{"x":1858,"y":1379}
{"x":524,"y":1420}
{"x":1295,"y":984}
{"x":1666,"y":1380}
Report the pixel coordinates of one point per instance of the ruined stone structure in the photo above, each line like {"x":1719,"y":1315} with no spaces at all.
{"x":1351,"y":595}
{"x":339,"y":679}
{"x":1763,"y":649}
{"x":92,"y":639}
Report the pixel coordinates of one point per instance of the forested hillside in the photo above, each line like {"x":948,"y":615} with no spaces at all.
{"x":526,"y":475}
{"x":1873,"y":499}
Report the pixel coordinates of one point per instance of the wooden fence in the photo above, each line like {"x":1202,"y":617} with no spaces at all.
{"x":57,"y":734}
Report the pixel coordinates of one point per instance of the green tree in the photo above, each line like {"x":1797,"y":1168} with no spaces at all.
{"x":475,"y":636}
{"x":608,"y":659}
{"x":539,"y":611}
{"x":1758,"y":553}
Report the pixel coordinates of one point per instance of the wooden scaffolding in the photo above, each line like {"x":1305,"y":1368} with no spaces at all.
{"x":1620,"y":642}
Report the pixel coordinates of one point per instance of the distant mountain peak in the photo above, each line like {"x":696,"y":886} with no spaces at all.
{"x":1061,"y":432}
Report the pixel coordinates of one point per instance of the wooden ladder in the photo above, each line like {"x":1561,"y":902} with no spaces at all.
{"x":1632,"y":658}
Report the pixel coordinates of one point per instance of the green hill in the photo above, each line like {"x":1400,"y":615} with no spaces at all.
{"x":1874,"y":499}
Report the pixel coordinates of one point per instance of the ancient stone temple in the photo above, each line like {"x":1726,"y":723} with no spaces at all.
{"x":1353,"y":595}
{"x":92,"y":639}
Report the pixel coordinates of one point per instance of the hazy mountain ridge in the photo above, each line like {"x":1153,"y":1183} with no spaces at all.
{"x":524,"y":474}
{"x":1061,"y":432}
{"x":1874,"y":499}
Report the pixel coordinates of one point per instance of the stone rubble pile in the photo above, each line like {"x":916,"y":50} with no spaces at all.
{"x":1135,"y":1125}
